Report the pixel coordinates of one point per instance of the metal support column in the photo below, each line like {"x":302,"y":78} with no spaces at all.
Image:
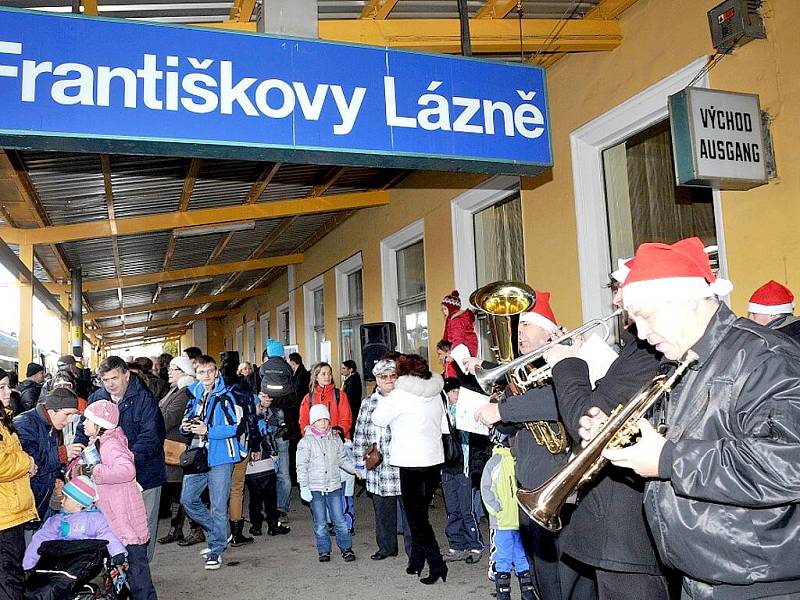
{"x":25,"y":336}
{"x":298,"y":18}
{"x":76,"y":313}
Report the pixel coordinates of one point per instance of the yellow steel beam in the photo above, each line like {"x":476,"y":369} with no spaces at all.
{"x":163,"y":322}
{"x":264,"y":179}
{"x":25,"y":338}
{"x":496,"y":9}
{"x":606,"y":9}
{"x":98,"y":285}
{"x":207,"y":216}
{"x":126,"y":340}
{"x":609,"y":9}
{"x":378,"y":9}
{"x":242,"y":10}
{"x":487,"y":35}
{"x":90,"y":8}
{"x":170,"y":304}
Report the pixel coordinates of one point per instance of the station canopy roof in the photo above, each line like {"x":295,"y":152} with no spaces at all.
{"x":144,"y":279}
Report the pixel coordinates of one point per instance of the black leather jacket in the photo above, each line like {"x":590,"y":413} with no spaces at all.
{"x":724,"y":512}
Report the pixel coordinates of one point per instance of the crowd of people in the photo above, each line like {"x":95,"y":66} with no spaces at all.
{"x":700,"y":505}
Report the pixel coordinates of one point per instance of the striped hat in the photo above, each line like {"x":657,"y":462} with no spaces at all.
{"x":82,"y":490}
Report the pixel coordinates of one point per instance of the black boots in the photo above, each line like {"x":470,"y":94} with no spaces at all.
{"x":196,"y":536}
{"x":277,"y":529}
{"x":175,"y":535}
{"x":502,"y":582}
{"x":416,"y":561}
{"x":526,"y":587}
{"x":436,"y":566}
{"x":239,"y":538}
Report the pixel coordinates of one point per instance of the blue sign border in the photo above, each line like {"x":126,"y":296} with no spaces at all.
{"x":47,"y":139}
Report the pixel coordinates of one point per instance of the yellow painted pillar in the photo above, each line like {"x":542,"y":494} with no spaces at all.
{"x":25,"y":336}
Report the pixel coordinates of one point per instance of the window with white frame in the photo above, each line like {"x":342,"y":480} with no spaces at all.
{"x":283,"y":324}
{"x":487,"y":242}
{"x":263,"y":327}
{"x":411,"y":302}
{"x":350,"y":308}
{"x":314,"y":310}
{"x":403,"y":274}
{"x":250,"y":350}
{"x":239,"y":340}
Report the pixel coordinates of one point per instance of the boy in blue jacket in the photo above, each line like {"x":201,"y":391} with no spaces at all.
{"x":212,"y":421}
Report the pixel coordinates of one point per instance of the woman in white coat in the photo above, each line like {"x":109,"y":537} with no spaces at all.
{"x":414,"y":411}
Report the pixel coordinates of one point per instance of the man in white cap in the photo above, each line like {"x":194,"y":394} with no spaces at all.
{"x":723,"y":486}
{"x":772,"y":305}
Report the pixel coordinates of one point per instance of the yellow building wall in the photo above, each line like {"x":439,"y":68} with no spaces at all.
{"x":659,"y":38}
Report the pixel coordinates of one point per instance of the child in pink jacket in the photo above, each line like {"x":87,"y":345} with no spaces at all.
{"x":119,"y":495}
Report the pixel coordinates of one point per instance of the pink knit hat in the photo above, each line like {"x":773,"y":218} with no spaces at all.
{"x":103,"y":413}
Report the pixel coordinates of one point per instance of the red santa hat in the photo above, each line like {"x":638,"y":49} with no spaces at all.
{"x":772,"y":298}
{"x":679,"y":271}
{"x":541,"y":314}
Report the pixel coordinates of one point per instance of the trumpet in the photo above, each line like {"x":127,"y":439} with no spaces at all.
{"x":544,"y":504}
{"x":519,"y":369}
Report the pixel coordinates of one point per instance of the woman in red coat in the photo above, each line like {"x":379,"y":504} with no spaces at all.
{"x":324,"y":392}
{"x":459,"y":326}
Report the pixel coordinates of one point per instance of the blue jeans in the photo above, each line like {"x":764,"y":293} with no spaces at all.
{"x":284,"y":476}
{"x":509,"y":554}
{"x":321,"y":506}
{"x":215,"y":523}
{"x":462,"y":525}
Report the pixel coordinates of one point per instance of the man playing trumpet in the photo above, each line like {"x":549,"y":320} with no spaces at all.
{"x":554,"y":579}
{"x":723,"y":487}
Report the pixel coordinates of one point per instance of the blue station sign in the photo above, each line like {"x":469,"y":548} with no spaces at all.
{"x":76,"y":83}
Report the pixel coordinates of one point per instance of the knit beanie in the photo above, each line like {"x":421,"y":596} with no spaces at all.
{"x":82,"y":490}
{"x":33,"y":369}
{"x":317,"y":412}
{"x":103,"y":413}
{"x":274,"y":347}
{"x":61,"y":397}
{"x":184,"y":363}
{"x":452,"y":302}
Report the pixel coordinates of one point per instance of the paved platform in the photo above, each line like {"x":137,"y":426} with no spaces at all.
{"x":285,"y":567}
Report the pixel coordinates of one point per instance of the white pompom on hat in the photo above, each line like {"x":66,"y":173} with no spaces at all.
{"x":679,"y":271}
{"x":772,"y":298}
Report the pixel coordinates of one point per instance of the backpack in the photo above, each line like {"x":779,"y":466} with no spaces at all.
{"x":276,"y":378}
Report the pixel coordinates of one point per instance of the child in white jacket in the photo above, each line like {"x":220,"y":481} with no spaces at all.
{"x":320,"y":455}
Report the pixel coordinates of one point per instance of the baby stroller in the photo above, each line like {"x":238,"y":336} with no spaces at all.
{"x":75,"y":570}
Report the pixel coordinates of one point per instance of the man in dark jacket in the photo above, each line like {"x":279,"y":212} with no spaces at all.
{"x":722,"y":497}
{"x":301,"y":379}
{"x":143,"y":424}
{"x":39,"y":431}
{"x":772,"y":305}
{"x":31,"y":388}
{"x":553,"y":578}
{"x":353,"y":389}
{"x":276,"y":382}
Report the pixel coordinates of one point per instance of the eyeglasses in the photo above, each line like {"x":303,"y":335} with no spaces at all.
{"x":385,"y":377}
{"x":204,"y":372}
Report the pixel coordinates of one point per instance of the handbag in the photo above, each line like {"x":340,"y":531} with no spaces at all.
{"x":194,"y":460}
{"x":173,"y":451}
{"x":451,"y":443}
{"x":373,"y":457}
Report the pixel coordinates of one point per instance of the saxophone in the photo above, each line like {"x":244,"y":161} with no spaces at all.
{"x":543,"y":505}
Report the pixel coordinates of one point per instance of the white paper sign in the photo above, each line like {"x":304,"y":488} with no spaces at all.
{"x":468,"y":403}
{"x":598,"y":355}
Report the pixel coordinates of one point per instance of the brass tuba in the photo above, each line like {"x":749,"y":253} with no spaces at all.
{"x":503,"y":302}
{"x":544,"y":504}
